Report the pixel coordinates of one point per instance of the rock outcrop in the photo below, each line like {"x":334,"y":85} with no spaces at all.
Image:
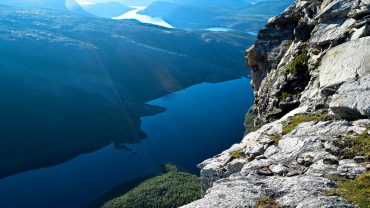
{"x":311,"y":80}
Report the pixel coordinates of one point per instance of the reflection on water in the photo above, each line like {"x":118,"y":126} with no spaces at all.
{"x":200,"y":121}
{"x":134,"y":14}
{"x":218,"y":29}
{"x":252,"y":33}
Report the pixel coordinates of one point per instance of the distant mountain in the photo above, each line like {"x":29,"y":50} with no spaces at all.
{"x":106,"y":9}
{"x":203,"y":14}
{"x":73,"y":84}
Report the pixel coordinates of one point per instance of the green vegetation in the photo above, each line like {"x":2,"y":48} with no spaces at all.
{"x":168,"y":168}
{"x":294,"y":121}
{"x":358,"y":145}
{"x":276,"y":138}
{"x":255,"y":128}
{"x":299,"y":63}
{"x":171,"y":189}
{"x":267,"y":203}
{"x":249,"y":121}
{"x":118,"y":191}
{"x":356,"y":191}
{"x":237,"y":154}
{"x":284,"y":96}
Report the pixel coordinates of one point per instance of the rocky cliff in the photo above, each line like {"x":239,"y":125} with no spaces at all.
{"x":311,"y":78}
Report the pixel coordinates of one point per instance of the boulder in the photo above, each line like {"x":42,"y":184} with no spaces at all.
{"x":335,"y":9}
{"x":344,"y":62}
{"x":331,"y":32}
{"x":255,"y":150}
{"x":302,"y":191}
{"x":361,"y":32}
{"x":352,"y":100}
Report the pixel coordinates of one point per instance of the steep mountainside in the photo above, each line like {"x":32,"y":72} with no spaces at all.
{"x":311,"y":142}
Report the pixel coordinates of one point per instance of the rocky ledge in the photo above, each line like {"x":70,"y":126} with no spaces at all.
{"x":311,"y":78}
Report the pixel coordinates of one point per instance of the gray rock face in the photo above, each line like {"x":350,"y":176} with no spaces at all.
{"x":336,"y":9}
{"x":256,"y":150}
{"x":239,"y":192}
{"x":326,"y":24}
{"x":361,"y":32}
{"x":352,"y":99}
{"x":312,"y":59}
{"x":331,"y":33}
{"x":346,"y":61}
{"x":294,"y":173}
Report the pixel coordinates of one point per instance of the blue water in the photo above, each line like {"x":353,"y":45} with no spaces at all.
{"x":218,"y":29}
{"x":252,"y":33}
{"x":199,"y":122}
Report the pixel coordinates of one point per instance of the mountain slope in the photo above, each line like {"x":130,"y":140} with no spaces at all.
{"x":311,"y":142}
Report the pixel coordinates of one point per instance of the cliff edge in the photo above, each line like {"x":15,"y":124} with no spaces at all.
{"x":311,"y":80}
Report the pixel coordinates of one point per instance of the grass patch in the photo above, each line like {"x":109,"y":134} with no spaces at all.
{"x":356,"y":191}
{"x":237,"y":154}
{"x":355,"y":146}
{"x":257,"y":127}
{"x":298,"y":64}
{"x":276,"y":138}
{"x":294,"y":121}
{"x":267,"y":203}
{"x":284,"y":96}
{"x":171,"y":189}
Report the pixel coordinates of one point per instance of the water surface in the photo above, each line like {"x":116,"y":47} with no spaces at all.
{"x":218,"y":29}
{"x":134,"y":14}
{"x":199,"y":122}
